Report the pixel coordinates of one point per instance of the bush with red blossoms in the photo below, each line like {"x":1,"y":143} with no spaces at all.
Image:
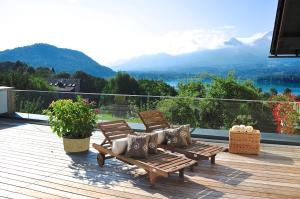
{"x":284,"y":112}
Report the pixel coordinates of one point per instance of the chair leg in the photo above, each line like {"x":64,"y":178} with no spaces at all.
{"x":101,"y":159}
{"x":181,"y":173}
{"x":152,"y":178}
{"x":213,"y":159}
{"x":192,"y":168}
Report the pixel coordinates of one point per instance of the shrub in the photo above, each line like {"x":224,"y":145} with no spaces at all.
{"x":72,"y":119}
{"x":284,"y":112}
{"x":179,"y":111}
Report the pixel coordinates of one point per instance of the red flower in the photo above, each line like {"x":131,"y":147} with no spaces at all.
{"x":97,"y":110}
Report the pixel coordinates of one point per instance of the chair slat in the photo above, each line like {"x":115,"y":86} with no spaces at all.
{"x":117,"y":132}
{"x":153,"y":120}
{"x":112,"y":138}
{"x":177,"y":163}
{"x":165,"y":160}
{"x":115,"y":129}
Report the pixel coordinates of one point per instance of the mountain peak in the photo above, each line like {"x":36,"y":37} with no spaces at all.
{"x":233,"y":42}
{"x":265,"y":40}
{"x":43,"y":44}
{"x":37,"y":45}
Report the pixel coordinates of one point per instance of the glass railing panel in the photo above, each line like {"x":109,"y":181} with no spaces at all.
{"x":206,"y":113}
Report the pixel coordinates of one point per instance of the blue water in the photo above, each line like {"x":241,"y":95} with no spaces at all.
{"x":265,"y":87}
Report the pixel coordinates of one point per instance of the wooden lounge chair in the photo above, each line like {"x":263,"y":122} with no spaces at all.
{"x":160,"y":164}
{"x":154,"y":120}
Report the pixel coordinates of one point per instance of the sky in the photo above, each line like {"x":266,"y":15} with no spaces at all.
{"x":110,"y":31}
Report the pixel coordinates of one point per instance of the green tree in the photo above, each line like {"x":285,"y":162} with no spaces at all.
{"x":185,"y":109}
{"x":287,"y":91}
{"x":63,"y":75}
{"x":122,"y":83}
{"x":230,"y":88}
{"x":38,"y":83}
{"x":221,"y":110}
{"x":273,"y":91}
{"x":21,"y":76}
{"x":156,"y":88}
{"x":89,"y":83}
{"x":179,"y":111}
{"x":192,"y":89}
{"x":44,"y":72}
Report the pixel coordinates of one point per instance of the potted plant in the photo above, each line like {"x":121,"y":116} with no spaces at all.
{"x":74,"y":121}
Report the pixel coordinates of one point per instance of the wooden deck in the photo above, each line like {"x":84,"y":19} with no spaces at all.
{"x":34,"y":165}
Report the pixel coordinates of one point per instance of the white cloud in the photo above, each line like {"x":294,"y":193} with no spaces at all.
{"x":228,"y":27}
{"x":192,"y":40}
{"x":72,"y":1}
{"x":173,"y":43}
{"x":251,"y":39}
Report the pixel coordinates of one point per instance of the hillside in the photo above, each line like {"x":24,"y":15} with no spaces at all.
{"x":61,"y":59}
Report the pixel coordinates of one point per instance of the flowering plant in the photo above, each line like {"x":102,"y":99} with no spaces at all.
{"x":284,"y":112}
{"x":72,"y":119}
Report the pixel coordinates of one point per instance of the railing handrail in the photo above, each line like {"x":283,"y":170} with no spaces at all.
{"x":155,"y":96}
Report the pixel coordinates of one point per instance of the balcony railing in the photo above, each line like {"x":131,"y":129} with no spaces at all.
{"x":207,"y":113}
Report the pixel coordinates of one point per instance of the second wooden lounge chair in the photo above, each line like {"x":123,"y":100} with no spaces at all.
{"x":160,"y":164}
{"x":154,"y":120}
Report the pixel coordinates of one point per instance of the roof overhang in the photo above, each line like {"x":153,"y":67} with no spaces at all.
{"x":286,"y":34}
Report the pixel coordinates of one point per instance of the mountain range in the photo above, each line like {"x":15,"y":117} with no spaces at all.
{"x":247,"y":59}
{"x":233,"y":55}
{"x":61,"y":59}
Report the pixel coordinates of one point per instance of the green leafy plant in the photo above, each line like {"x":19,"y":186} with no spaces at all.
{"x":72,"y":119}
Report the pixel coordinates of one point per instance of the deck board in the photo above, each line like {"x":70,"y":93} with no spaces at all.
{"x":33,"y":164}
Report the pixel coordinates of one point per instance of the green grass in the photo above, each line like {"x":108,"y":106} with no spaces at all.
{"x":111,"y":117}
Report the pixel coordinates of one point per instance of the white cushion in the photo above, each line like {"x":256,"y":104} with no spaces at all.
{"x":160,"y":136}
{"x":236,"y":128}
{"x":119,"y":146}
{"x":242,"y":128}
{"x":186,"y":130}
{"x":249,"y":129}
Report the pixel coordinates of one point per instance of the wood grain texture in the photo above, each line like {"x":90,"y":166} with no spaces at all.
{"x":33,"y":164}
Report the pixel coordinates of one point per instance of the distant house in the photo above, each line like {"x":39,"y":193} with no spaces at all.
{"x":65,"y":85}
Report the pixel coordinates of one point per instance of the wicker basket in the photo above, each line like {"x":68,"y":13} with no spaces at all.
{"x":244,"y":143}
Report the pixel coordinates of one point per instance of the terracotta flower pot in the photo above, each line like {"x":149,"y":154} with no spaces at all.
{"x":76,"y":145}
